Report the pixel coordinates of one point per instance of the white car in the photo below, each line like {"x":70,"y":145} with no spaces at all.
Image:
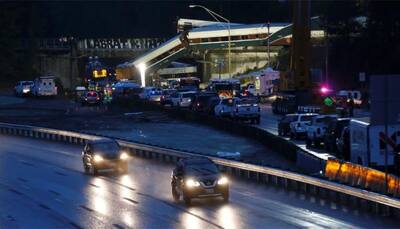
{"x":23,"y":88}
{"x":317,"y":128}
{"x":238,"y":109}
{"x":298,"y":127}
{"x":182,"y":99}
{"x":44,"y":86}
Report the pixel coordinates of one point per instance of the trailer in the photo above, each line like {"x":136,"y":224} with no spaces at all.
{"x":368,"y":143}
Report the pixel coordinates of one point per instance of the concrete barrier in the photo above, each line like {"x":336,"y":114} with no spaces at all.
{"x":285,"y":179}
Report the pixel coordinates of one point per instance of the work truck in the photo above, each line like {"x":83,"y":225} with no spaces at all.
{"x":368,"y":143}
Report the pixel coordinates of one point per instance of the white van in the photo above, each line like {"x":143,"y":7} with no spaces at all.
{"x":44,"y":86}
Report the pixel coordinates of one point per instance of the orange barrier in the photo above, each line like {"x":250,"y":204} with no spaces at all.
{"x":364,"y":177}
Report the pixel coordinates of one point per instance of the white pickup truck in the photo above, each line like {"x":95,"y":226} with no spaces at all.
{"x":317,"y":128}
{"x":239,"y":109}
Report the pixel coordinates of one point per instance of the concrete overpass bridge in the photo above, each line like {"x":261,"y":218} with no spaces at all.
{"x":66,"y":57}
{"x":200,"y":41}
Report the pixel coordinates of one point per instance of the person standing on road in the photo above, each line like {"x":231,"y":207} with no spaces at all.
{"x":350,"y":105}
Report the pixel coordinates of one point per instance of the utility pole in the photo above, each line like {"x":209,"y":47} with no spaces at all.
{"x":301,"y":45}
{"x":269,"y":54}
{"x":72,"y":54}
{"x":386,"y":129}
{"x":216,"y":16}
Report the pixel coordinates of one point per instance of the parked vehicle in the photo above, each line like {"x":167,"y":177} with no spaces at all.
{"x":44,"y":86}
{"x":166,"y":96}
{"x":204,"y":102}
{"x":284,"y":104}
{"x":198,"y":178}
{"x":298,"y":128}
{"x":284,"y":124}
{"x":246,"y":109}
{"x":248,"y":90}
{"x":333,"y":132}
{"x":23,"y":88}
{"x":90,"y":98}
{"x":318,"y":127}
{"x":226,"y":88}
{"x":126,"y":90}
{"x":348,"y":94}
{"x":104,"y":154}
{"x":182,"y":99}
{"x":79,"y":92}
{"x":368,"y":143}
{"x":225,"y":107}
{"x":259,"y":83}
{"x":151,"y":94}
{"x":239,"y":109}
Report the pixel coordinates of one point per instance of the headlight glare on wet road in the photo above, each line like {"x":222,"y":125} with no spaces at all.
{"x":97,"y":158}
{"x":223,"y":181}
{"x":124,"y":156}
{"x":192,"y":183}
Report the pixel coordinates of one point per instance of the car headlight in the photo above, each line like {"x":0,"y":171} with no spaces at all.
{"x":192,"y":183}
{"x":223,"y":181}
{"x":124,"y":156}
{"x":97,"y":158}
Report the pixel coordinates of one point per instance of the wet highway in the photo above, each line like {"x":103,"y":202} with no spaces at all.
{"x":42,"y":185}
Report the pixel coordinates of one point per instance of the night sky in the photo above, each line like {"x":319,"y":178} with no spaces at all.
{"x":144,"y":18}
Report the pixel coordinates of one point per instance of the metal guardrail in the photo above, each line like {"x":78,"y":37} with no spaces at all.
{"x":378,"y":203}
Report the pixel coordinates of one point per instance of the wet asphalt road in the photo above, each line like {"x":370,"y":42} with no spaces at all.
{"x":42,"y":185}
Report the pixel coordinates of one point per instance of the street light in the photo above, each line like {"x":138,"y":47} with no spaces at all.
{"x":215,"y":15}
{"x":142,"y":70}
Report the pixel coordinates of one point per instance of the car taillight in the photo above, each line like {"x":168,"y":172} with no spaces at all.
{"x":98,"y":98}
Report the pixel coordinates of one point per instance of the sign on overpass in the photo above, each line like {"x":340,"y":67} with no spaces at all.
{"x":134,"y":44}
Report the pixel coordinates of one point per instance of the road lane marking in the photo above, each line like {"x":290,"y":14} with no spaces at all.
{"x":54,"y":192}
{"x":22,"y":179}
{"x":130,"y":200}
{"x":86,"y":208}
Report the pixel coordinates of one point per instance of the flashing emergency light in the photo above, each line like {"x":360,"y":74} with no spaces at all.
{"x":324,"y":89}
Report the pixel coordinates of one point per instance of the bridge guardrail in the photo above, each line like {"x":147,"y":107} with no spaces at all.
{"x":290,"y":180}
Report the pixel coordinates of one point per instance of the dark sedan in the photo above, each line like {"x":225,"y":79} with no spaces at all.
{"x":284,"y":124}
{"x":198,"y":178}
{"x":90,"y":98}
{"x":333,"y":132}
{"x":205,"y":102}
{"x":104,"y":154}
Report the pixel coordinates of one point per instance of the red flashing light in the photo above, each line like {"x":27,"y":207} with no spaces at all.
{"x":325,"y":89}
